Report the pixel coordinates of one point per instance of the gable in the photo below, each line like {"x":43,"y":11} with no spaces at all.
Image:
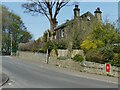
{"x":87,"y":16}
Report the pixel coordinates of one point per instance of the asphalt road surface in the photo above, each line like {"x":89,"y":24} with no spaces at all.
{"x":24,"y":74}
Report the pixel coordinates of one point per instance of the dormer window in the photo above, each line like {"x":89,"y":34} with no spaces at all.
{"x":88,"y":18}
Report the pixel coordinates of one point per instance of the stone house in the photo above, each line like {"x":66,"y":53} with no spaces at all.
{"x":61,"y":31}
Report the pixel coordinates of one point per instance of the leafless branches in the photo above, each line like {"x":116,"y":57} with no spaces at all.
{"x":49,"y":8}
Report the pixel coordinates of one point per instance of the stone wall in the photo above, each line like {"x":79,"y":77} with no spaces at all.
{"x":99,"y":69}
{"x":66,"y":52}
{"x":85,"y":66}
{"x":62,"y":52}
{"x":31,"y":56}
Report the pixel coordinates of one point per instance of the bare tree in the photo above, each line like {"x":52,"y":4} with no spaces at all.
{"x":49,"y":8}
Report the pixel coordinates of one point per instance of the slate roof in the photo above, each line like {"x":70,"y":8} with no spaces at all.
{"x":80,"y":17}
{"x":87,"y":14}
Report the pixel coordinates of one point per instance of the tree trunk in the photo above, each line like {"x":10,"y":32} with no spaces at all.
{"x":52,"y":26}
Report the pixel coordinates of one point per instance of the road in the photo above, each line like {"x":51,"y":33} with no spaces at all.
{"x":24,"y":74}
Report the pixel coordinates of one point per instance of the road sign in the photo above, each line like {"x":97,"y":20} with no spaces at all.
{"x":107,"y":67}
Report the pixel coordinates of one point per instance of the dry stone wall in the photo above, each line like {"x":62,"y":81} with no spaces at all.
{"x":66,"y":52}
{"x":85,"y":66}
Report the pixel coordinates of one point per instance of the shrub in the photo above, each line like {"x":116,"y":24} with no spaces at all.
{"x":61,"y":44}
{"x":95,"y":56}
{"x":33,"y":50}
{"x":50,"y":45}
{"x":78,"y":58}
{"x":42,"y":51}
{"x":107,"y":51}
{"x":116,"y":49}
{"x":100,"y":55}
{"x":115,"y":63}
{"x":116,"y":60}
{"x":88,"y":45}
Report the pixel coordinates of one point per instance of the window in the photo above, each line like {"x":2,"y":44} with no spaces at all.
{"x":88,"y":18}
{"x":54,"y":35}
{"x":62,"y":33}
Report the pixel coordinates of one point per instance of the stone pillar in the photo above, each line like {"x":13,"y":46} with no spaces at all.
{"x":76,"y":11}
{"x":98,"y":14}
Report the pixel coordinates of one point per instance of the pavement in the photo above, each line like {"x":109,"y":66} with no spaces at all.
{"x":3,"y":79}
{"x":24,"y":74}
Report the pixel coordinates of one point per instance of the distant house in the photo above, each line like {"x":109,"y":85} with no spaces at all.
{"x":60,"y":31}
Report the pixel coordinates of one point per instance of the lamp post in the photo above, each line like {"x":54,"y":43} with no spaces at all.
{"x":10,"y":16}
{"x":47,"y":54}
{"x":11,"y":43}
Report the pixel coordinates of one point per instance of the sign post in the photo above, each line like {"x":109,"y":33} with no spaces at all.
{"x":47,"y":54}
{"x":11,"y":44}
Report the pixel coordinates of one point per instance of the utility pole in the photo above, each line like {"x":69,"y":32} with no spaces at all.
{"x":47,"y":54}
{"x":11,"y":43}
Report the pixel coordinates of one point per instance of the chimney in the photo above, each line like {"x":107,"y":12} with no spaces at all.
{"x":98,"y":14}
{"x":76,"y":11}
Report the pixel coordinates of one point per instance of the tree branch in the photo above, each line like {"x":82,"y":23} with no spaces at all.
{"x":59,"y":5}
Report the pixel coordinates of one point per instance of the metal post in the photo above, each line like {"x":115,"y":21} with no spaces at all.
{"x":11,"y":44}
{"x":47,"y":54}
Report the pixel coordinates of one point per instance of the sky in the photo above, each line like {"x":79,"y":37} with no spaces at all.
{"x":37,"y":25}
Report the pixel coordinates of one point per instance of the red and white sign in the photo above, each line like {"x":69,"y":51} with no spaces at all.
{"x":107,"y":67}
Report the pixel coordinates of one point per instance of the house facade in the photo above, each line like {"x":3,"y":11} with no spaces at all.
{"x":61,"y":31}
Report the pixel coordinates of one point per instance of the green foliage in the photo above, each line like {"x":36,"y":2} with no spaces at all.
{"x":25,"y":36}
{"x":50,"y":45}
{"x":76,"y":44}
{"x":55,"y":47}
{"x":78,"y":58}
{"x":44,"y":47}
{"x":61,"y":44}
{"x":95,"y":56}
{"x":99,"y":44}
{"x":76,"y":32}
{"x":47,"y":44}
{"x":45,"y":36}
{"x":100,"y":55}
{"x":33,"y":50}
{"x":12,"y":24}
{"x":116,"y":49}
{"x":42,"y":50}
{"x":116,"y":60}
{"x":87,"y":45}
{"x":107,"y":51}
{"x":101,"y":35}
